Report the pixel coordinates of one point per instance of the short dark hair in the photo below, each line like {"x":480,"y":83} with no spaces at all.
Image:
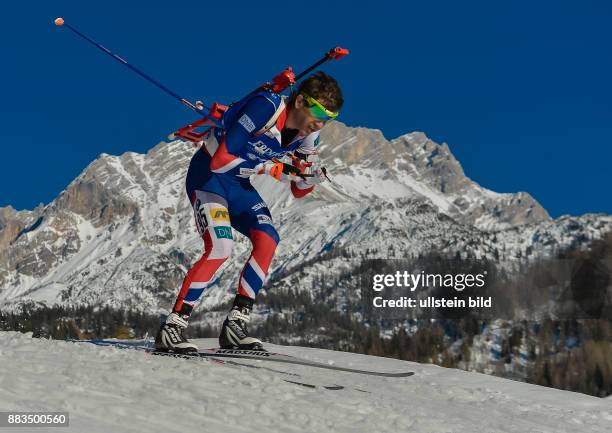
{"x":324,"y":89}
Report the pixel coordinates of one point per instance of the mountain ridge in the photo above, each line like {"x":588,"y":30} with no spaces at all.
{"x":122,"y":233}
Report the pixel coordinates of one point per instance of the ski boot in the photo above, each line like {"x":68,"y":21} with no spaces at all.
{"x":234,"y":333}
{"x":170,"y":336}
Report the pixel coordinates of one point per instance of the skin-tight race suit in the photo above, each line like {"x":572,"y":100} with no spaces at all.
{"x":252,"y":132}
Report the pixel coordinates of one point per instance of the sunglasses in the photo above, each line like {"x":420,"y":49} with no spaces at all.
{"x":317,"y":110}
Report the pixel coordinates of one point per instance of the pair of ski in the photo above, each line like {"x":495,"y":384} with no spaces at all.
{"x":232,"y":356}
{"x":229,"y":362}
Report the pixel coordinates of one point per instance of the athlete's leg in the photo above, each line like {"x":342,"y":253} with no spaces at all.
{"x":210,"y":207}
{"x":213,"y":223}
{"x":251,"y":217}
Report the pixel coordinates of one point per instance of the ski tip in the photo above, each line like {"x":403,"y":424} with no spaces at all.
{"x":59,"y":21}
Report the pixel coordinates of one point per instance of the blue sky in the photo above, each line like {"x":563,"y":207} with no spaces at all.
{"x":521,"y":91}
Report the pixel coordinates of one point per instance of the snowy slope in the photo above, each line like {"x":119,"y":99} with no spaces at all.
{"x":113,"y":390}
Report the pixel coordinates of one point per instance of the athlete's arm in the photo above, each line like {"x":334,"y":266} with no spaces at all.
{"x":301,"y":188}
{"x":251,"y":119}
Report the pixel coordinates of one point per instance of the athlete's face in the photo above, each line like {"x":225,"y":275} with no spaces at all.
{"x":303,"y":120}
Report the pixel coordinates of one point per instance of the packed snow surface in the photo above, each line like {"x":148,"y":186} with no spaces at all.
{"x":106,"y":389}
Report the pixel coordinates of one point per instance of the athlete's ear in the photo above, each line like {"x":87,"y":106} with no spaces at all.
{"x":299,"y":101}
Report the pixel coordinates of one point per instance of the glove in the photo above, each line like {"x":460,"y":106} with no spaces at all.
{"x":317,"y":176}
{"x":275,"y":168}
{"x":300,"y":162}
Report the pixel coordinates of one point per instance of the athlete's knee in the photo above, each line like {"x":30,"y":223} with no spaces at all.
{"x":216,"y":251}
{"x":275,"y":236}
{"x":218,"y":242}
{"x":265,"y":239}
{"x":265,"y":235}
{"x":222,"y":247}
{"x":204,"y":269}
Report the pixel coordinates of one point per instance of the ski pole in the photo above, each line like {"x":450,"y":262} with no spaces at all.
{"x":197,"y":109}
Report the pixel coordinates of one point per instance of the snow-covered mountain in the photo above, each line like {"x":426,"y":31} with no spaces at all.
{"x":120,"y":390}
{"x":122,"y":233}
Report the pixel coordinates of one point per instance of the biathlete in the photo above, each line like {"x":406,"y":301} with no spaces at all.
{"x":253,"y":136}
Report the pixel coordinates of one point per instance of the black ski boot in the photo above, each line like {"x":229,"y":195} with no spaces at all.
{"x":170,"y":336}
{"x":234,"y":333}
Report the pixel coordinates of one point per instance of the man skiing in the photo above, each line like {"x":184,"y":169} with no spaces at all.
{"x":254,"y":134}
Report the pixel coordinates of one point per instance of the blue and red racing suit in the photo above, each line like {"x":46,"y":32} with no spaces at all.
{"x":253,"y":132}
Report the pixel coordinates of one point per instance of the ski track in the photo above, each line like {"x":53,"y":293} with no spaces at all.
{"x":107,"y":389}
